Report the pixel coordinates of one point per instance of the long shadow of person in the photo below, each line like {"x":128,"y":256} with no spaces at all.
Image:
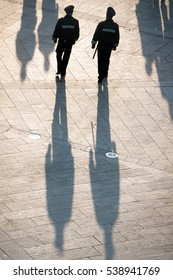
{"x":45,"y":29}
{"x":156,"y":31}
{"x":25,"y":40}
{"x":167,"y":15}
{"x":104,"y":174}
{"x":59,"y":167}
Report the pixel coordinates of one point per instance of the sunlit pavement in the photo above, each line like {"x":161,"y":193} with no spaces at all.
{"x":61,"y":196}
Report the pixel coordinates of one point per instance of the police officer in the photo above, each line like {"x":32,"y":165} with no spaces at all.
{"x":107,"y":35}
{"x":67,"y":31}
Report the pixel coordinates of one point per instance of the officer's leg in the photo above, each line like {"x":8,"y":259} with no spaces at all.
{"x":66,"y":57}
{"x":59,"y":52}
{"x":100,"y":64}
{"x":107,"y":61}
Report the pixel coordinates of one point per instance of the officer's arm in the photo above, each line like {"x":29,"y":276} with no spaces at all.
{"x":93,"y":44}
{"x":77,"y":31}
{"x":54,"y":39}
{"x":117,"y":38}
{"x":55,"y":34}
{"x":118,"y":35}
{"x":95,"y":37}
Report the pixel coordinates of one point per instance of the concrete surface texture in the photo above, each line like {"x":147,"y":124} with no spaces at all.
{"x":61,"y":196}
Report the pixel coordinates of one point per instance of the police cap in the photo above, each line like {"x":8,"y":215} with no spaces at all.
{"x":69,"y":9}
{"x":110,"y":12}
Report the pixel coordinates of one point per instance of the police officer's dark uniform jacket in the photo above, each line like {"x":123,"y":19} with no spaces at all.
{"x":107,"y":35}
{"x":67,"y":33}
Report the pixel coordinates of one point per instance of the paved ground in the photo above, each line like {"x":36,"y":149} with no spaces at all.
{"x":61,"y":197}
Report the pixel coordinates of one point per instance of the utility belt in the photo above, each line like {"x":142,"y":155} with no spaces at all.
{"x":66,"y":42}
{"x":105,"y":45}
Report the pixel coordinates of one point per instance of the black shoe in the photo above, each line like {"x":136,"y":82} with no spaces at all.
{"x":63,"y":76}
{"x":58,"y":72}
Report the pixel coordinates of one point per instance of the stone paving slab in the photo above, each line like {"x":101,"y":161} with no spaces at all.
{"x":61,"y":196}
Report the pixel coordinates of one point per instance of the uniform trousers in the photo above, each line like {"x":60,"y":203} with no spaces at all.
{"x":103,"y":61}
{"x":63,"y":52}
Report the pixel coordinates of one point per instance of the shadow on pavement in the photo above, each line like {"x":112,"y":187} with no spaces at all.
{"x":155,"y":21}
{"x":26,"y":39}
{"x":59,"y":167}
{"x":104,"y":174}
{"x":45,"y":29}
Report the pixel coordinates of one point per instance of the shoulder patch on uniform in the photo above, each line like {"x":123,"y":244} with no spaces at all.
{"x":65,"y":26}
{"x":110,"y":30}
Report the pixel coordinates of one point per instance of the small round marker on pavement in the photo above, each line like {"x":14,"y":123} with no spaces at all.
{"x":111,"y":155}
{"x":34,"y":136}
